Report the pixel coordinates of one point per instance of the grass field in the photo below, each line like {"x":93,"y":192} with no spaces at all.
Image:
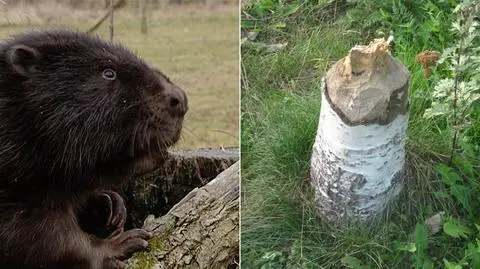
{"x":280,"y":110}
{"x":197,"y":47}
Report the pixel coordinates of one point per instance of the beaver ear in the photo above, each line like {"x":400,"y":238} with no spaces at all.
{"x":23,"y":59}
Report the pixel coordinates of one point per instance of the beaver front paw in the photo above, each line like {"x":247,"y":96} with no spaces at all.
{"x":124,"y":245}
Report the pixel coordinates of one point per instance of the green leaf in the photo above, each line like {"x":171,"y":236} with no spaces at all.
{"x":272,"y":255}
{"x":443,"y":88}
{"x":441,"y":194}
{"x":464,"y":165}
{"x":473,"y":251}
{"x":437,"y":109}
{"x":455,"y":229}
{"x":421,"y":237}
{"x":289,"y":11}
{"x":247,"y":24}
{"x":451,"y":265}
{"x":351,"y":262}
{"x":403,"y":246}
{"x":421,"y":243}
{"x":462,"y":194}
{"x":427,"y":265}
{"x":447,"y":174}
{"x":446,"y":54}
{"x":273,"y":259}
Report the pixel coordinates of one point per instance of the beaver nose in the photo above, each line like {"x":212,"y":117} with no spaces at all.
{"x":177,"y":101}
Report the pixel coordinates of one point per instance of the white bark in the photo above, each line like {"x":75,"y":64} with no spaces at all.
{"x":358,"y":159}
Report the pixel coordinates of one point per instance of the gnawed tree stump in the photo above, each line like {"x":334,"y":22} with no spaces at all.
{"x":201,"y":231}
{"x":157,"y":192}
{"x":358,"y":159}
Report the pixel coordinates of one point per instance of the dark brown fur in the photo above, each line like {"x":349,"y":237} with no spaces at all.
{"x":68,"y":132}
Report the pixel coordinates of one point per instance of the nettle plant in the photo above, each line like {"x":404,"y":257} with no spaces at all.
{"x":454,"y":97}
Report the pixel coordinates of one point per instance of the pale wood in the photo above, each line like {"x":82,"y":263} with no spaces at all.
{"x":201,"y":231}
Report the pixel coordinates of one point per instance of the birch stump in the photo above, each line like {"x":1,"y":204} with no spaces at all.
{"x":358,"y":159}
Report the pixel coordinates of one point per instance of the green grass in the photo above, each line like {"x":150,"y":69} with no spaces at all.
{"x":197,"y":48}
{"x":280,"y":111}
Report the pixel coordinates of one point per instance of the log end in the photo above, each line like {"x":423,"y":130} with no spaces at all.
{"x":367,"y":58}
{"x":368,"y":85}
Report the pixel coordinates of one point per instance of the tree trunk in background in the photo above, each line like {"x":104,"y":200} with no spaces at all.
{"x":119,"y":4}
{"x":111,"y":26}
{"x":144,"y":17}
{"x":201,"y":231}
{"x":358,"y":159}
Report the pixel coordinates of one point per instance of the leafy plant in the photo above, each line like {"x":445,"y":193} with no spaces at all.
{"x":471,"y":255}
{"x":268,"y":15}
{"x":454,"y":96}
{"x":455,"y":229}
{"x":418,"y":248}
{"x":418,"y":24}
{"x":462,"y":186}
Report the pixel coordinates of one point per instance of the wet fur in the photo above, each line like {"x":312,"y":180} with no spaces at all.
{"x":65,"y":132}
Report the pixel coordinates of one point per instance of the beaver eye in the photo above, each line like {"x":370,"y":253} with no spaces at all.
{"x":109,"y":74}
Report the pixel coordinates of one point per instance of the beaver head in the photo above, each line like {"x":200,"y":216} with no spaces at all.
{"x":73,"y":106}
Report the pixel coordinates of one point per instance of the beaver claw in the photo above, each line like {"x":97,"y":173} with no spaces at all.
{"x":105,"y":214}
{"x":118,"y":212}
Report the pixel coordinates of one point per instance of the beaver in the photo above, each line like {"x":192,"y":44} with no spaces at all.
{"x":78,"y":117}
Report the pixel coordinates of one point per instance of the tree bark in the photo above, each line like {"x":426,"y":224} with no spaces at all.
{"x":201,"y":231}
{"x":358,"y":159}
{"x":110,"y":27}
{"x":117,"y":5}
{"x":158,"y":191}
{"x":143,"y":26}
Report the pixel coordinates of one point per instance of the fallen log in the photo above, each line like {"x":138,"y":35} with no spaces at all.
{"x":158,"y":191}
{"x":201,"y":231}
